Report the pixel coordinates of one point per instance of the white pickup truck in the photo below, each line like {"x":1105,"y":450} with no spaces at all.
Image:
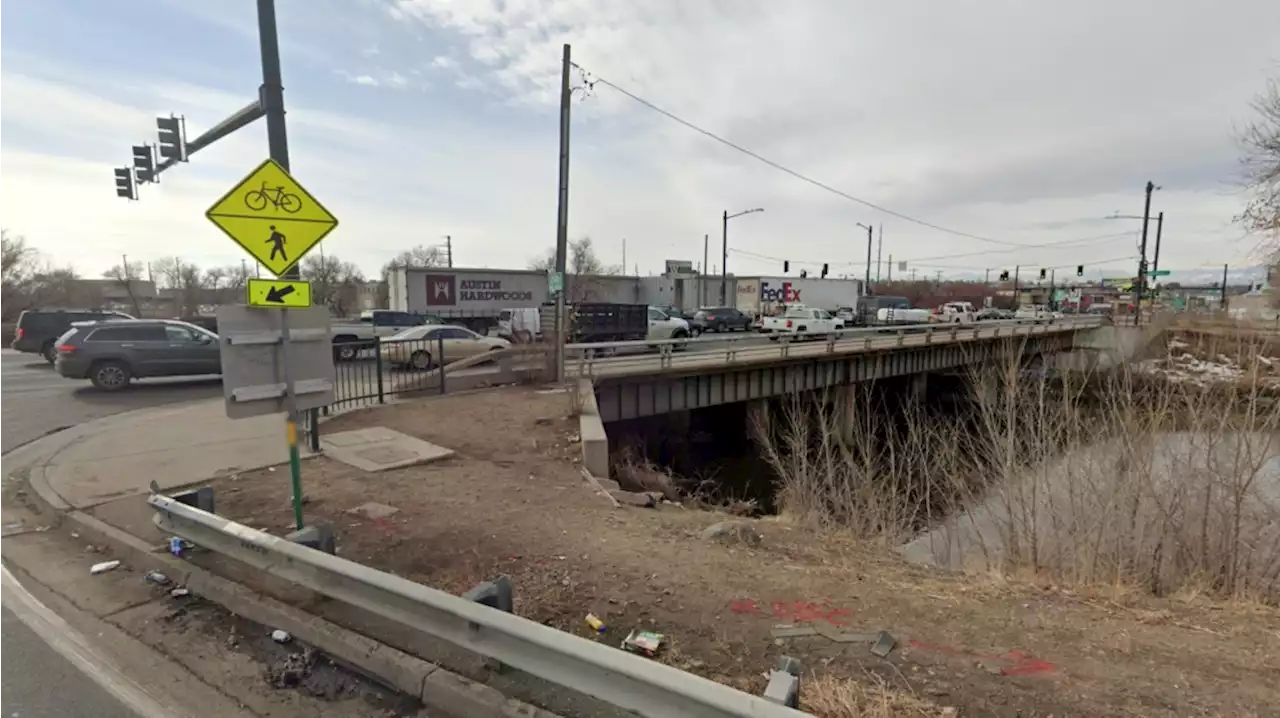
{"x":799,"y":319}
{"x":1034,"y":312}
{"x":956,"y":313}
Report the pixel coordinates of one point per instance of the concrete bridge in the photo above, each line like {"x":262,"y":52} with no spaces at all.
{"x":710,"y":371}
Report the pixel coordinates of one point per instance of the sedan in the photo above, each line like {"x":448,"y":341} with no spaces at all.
{"x":721,"y":319}
{"x":422,"y":347}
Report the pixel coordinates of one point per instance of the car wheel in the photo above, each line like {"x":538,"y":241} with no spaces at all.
{"x":721,"y":327}
{"x":110,"y":375}
{"x":49,"y":352}
{"x":345,"y":352}
{"x":420,"y":360}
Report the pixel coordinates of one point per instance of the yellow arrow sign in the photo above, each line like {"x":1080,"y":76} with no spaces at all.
{"x":286,"y":293}
{"x":272,"y":217}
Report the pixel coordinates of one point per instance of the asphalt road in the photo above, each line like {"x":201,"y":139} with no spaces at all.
{"x":37,"y":681}
{"x":35,"y":401}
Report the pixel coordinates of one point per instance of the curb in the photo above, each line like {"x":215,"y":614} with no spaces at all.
{"x":437,"y":688}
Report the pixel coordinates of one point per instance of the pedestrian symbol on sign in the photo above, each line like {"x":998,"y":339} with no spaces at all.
{"x":277,"y":241}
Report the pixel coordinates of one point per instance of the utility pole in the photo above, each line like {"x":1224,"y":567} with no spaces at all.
{"x":1053,"y":275}
{"x":702,"y":300}
{"x":448,"y":249}
{"x":624,"y":256}
{"x":913,"y":274}
{"x":866,"y":289}
{"x":1155,"y":261}
{"x":562,"y":213}
{"x":1224,"y":289}
{"x":1142,"y":258}
{"x":1017,"y":298}
{"x":889,"y":269}
{"x":724,"y":256}
{"x":987,"y":280}
{"x":879,"y":249}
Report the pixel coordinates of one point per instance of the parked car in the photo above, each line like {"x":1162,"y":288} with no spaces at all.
{"x":350,"y":337}
{"x":420,"y":347}
{"x":112,"y":353}
{"x":1036,"y":313}
{"x":799,"y":319}
{"x":720,"y":319}
{"x":39,"y":329}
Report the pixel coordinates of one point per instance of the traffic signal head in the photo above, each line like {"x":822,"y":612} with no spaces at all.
{"x":1079,"y":270}
{"x":144,"y":163}
{"x":1004,"y":275}
{"x":124,"y":183}
{"x":173,"y":140}
{"x":786,"y":266}
{"x":1043,"y":273}
{"x":824,"y":271}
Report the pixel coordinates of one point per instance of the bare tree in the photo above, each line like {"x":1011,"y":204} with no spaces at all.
{"x":334,"y":282}
{"x":127,"y":275}
{"x":1260,"y":157}
{"x":419,"y":256}
{"x":30,"y":281}
{"x":581,"y":260}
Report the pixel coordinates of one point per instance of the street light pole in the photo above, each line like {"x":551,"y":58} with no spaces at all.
{"x":866,"y":281}
{"x":1155,"y":261}
{"x":724,"y":250}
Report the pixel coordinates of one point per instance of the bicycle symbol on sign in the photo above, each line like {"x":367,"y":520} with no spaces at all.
{"x":258,"y":199}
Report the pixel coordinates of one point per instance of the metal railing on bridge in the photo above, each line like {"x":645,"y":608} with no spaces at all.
{"x":649,"y":356}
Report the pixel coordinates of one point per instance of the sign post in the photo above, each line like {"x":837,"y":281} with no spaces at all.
{"x":273,"y":218}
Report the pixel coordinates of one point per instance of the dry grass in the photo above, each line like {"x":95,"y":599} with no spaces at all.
{"x":871,"y":696}
{"x":1111,"y":479}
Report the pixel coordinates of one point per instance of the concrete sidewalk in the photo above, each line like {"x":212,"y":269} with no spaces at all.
{"x":121,"y":455}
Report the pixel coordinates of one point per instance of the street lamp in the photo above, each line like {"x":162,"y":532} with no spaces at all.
{"x":724,"y":251}
{"x":1142,"y":251}
{"x":1155,"y":260}
{"x":866,"y":282}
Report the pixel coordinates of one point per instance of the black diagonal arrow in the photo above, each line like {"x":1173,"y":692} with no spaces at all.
{"x":277,"y":294}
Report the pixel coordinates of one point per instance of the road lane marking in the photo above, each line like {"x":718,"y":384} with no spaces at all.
{"x":72,"y":645}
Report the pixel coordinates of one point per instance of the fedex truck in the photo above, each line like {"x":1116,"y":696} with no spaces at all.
{"x":769,"y":296}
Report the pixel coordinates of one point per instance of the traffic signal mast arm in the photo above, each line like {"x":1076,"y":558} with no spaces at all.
{"x":175,"y":148}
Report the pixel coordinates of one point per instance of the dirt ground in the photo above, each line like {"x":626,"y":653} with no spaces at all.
{"x":513,"y":501}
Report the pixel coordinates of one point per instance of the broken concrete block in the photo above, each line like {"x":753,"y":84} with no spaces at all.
{"x":884,"y":644}
{"x":784,"y":683}
{"x":498,"y":593}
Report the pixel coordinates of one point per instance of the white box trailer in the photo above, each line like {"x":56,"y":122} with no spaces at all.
{"x":760,"y":296}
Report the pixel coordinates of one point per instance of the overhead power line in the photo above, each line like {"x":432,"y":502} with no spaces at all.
{"x":594,"y":79}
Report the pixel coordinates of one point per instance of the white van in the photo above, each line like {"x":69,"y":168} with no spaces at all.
{"x":521,"y":325}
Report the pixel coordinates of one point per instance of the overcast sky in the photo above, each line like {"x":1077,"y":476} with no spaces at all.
{"x":1020,"y":122}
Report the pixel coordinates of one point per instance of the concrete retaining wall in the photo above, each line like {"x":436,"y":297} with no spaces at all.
{"x":595,"y":442}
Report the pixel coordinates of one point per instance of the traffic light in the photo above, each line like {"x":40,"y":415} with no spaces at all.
{"x":144,"y":163}
{"x":124,"y":183}
{"x":804,"y":273}
{"x":1043,"y":273}
{"x":824,"y":271}
{"x":786,"y":266}
{"x":1004,"y":275}
{"x":1079,"y":270}
{"x":173,"y":138}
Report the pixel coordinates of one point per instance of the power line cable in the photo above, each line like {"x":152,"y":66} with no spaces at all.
{"x":593,"y":79}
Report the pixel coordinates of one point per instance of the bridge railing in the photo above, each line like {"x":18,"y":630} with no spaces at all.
{"x":603,"y":358}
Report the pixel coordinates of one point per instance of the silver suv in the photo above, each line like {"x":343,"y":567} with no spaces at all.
{"x":112,"y":353}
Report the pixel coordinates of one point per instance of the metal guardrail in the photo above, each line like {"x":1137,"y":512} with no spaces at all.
{"x":618,"y":678}
{"x":618,"y":357}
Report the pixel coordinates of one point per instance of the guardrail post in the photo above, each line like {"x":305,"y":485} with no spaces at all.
{"x":377,"y":363}
{"x":954,"y":330}
{"x":201,"y":498}
{"x":902,"y":336}
{"x":497,"y":593}
{"x":928,"y":336}
{"x":784,"y":683}
{"x":831,"y":343}
{"x":316,"y":536}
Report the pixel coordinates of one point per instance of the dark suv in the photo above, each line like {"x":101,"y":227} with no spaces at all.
{"x":721,"y":319}
{"x":38,"y":329}
{"x":111,"y":354}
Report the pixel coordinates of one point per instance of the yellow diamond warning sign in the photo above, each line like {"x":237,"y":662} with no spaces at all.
{"x":272,"y":217}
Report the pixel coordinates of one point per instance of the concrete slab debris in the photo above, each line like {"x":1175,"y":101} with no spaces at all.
{"x":884,"y":644}
{"x":374,"y":510}
{"x":732,"y":532}
{"x":378,"y":448}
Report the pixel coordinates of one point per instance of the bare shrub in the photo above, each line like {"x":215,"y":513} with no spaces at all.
{"x":830,"y":697}
{"x":1115,"y":478}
